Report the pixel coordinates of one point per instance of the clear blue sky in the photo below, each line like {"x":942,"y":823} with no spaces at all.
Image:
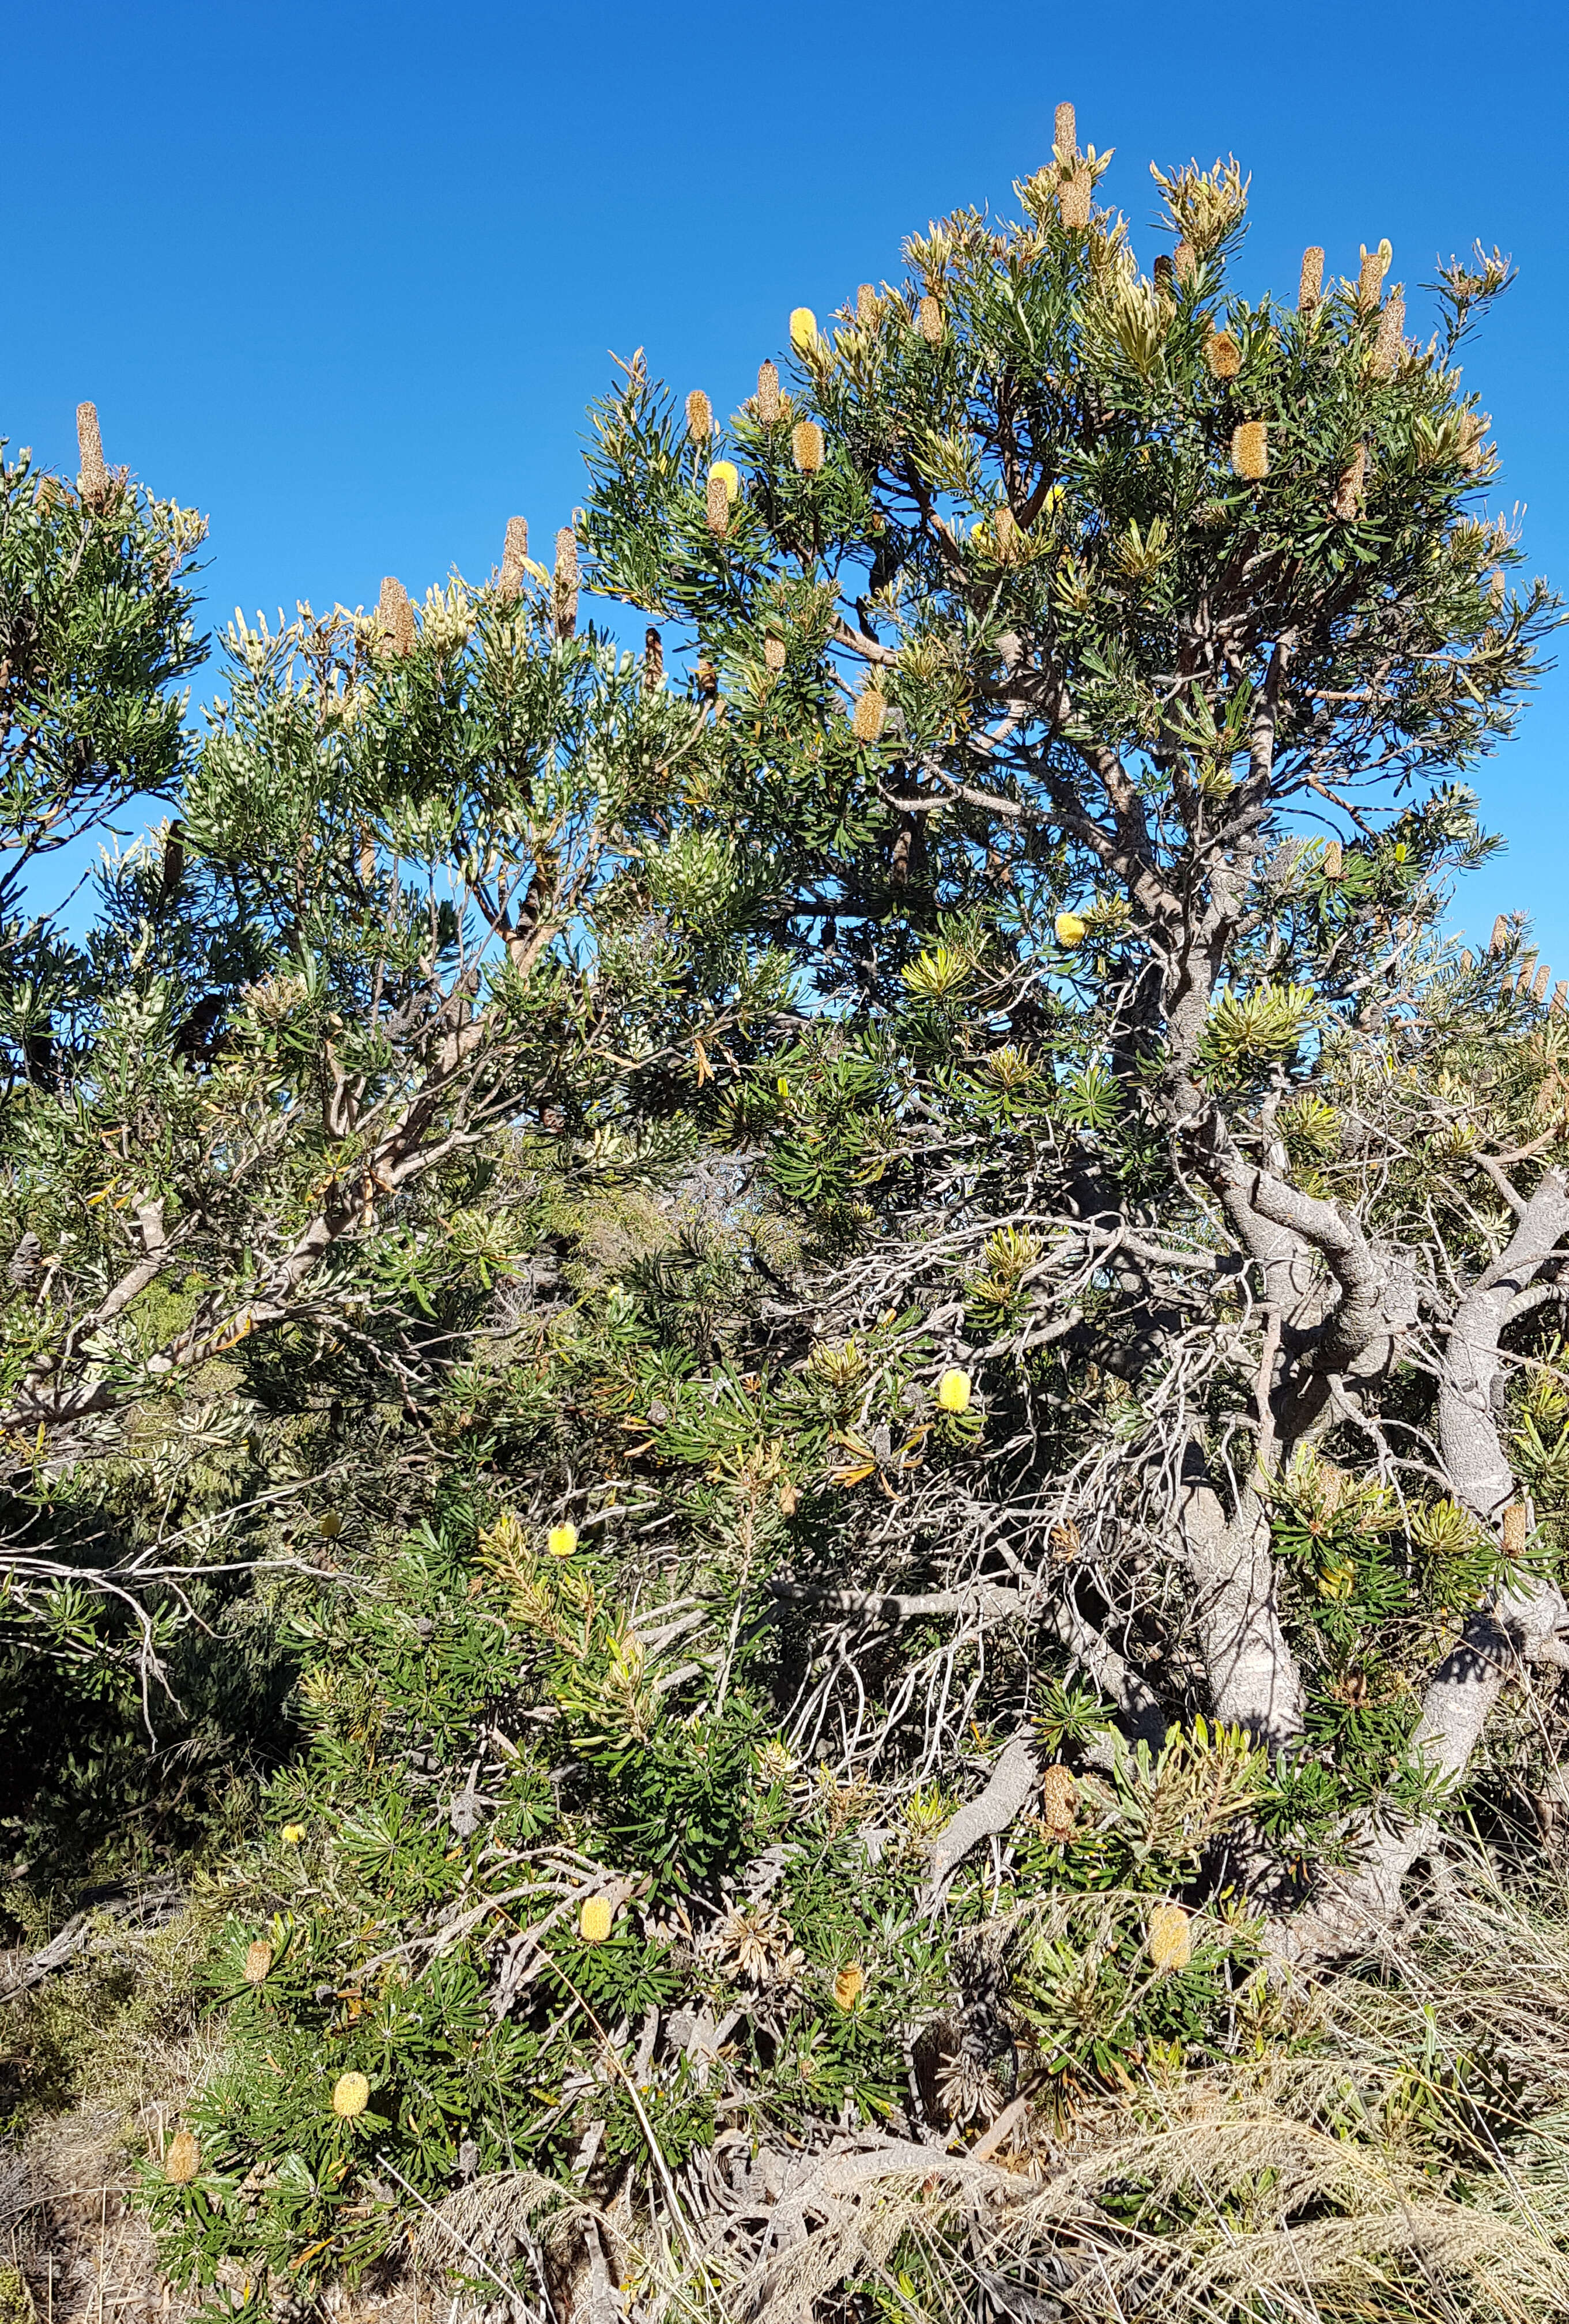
{"x":346,"y":276}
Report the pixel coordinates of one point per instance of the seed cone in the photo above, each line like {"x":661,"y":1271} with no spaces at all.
{"x":767,"y":394}
{"x":566,"y":582}
{"x":719,"y":504}
{"x":1251,"y":450}
{"x":807,"y":446}
{"x":1184,"y":264}
{"x":93,"y":480}
{"x":1224,"y":355}
{"x":1065,"y":141}
{"x":1164,"y":275}
{"x":1310,"y":283}
{"x":1390,"y":344}
{"x":871,"y":716}
{"x":699,"y":416}
{"x":928,"y":320}
{"x":653,"y":661}
{"x":1348,"y":489}
{"x":396,"y":620}
{"x":1006,"y":535}
{"x":1058,"y":1802}
{"x":183,"y":2160}
{"x":1072,"y":200}
{"x":1171,"y":1937}
{"x":1501,"y":935}
{"x":515,"y":549}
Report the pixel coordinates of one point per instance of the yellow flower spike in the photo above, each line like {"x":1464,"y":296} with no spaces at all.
{"x":329,"y":1525}
{"x":562,"y":1539}
{"x":351,"y":2094}
{"x":1310,"y":282}
{"x":1074,"y":199}
{"x":183,"y":2160}
{"x":594,"y":1921}
{"x":803,"y":330}
{"x":928,"y":320}
{"x":699,"y":416}
{"x":953,"y":1390}
{"x":807,"y":446}
{"x":1070,"y":928}
{"x":293,"y":1834}
{"x":258,"y":1960}
{"x":1171,"y":1937}
{"x":849,"y":1986}
{"x":729,"y":475}
{"x":1224,"y":355}
{"x":1251,"y":450}
{"x":869,"y":717}
{"x":767,"y":394}
{"x":717,"y":503}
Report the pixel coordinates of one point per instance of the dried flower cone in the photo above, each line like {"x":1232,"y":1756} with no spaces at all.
{"x":1476,"y":426}
{"x":1006,"y":535}
{"x":1370,"y":280}
{"x":807,"y":446}
{"x":367,"y":870}
{"x":394,"y":619}
{"x":1251,"y":450}
{"x":1184,"y":264}
{"x":653,"y":661}
{"x":767,"y":394}
{"x":1334,"y":860}
{"x":1171,"y":1937}
{"x":1164,"y":276}
{"x":183,"y":2160}
{"x":1224,"y":355}
{"x":1517,"y":1527}
{"x":92,"y":483}
{"x":719,"y":506}
{"x":1065,"y":140}
{"x":1501,"y":935}
{"x":1348,"y":491}
{"x":870,"y":716}
{"x":1058,"y":1802}
{"x":1560,"y":998}
{"x":566,"y":582}
{"x":928,"y":320}
{"x":773,"y":654}
{"x":1072,"y":200}
{"x":699,"y":416}
{"x":865,"y":304}
{"x":351,"y":2094}
{"x":1544,"y":981}
{"x":849,"y":1986}
{"x":1390,"y":343}
{"x":258,"y":1960}
{"x":515,"y":549}
{"x":1310,"y":282}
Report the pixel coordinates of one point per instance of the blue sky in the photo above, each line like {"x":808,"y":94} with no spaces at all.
{"x":346,"y":276}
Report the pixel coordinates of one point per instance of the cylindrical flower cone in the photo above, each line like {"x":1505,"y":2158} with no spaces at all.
{"x":803,"y":331}
{"x":1334,"y":860}
{"x":1348,"y":491}
{"x":870,"y":716}
{"x":566,"y":582}
{"x":773,"y":654}
{"x":1310,"y":282}
{"x":515,"y":549}
{"x":1164,"y":276}
{"x":93,"y":482}
{"x":1224,"y":355}
{"x":767,"y":394}
{"x":1184,"y":264}
{"x":1251,"y":450}
{"x":865,"y":304}
{"x":928,"y":320}
{"x":1073,"y":200}
{"x":719,"y":506}
{"x":849,"y":1986}
{"x":594,"y":1919}
{"x":183,"y":2160}
{"x":1058,"y":1802}
{"x":1171,"y":1937}
{"x":1065,"y":138}
{"x":953,"y":1390}
{"x":1516,"y":1529}
{"x":807,"y":449}
{"x":1501,"y":935}
{"x":351,"y":2094}
{"x":699,"y":416}
{"x":1006,"y":535}
{"x":1544,"y":981}
{"x":1390,"y":343}
{"x":258,"y":1960}
{"x":653,"y":661}
{"x":396,"y":620}
{"x":1370,"y":280}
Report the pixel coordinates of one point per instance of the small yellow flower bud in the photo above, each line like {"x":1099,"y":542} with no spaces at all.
{"x":562,"y":1539}
{"x":699,"y":416}
{"x":594,"y":1921}
{"x":1070,"y":928}
{"x":953,"y":1390}
{"x":183,"y":2160}
{"x":849,"y":1986}
{"x":293,"y":1834}
{"x":807,"y":446}
{"x":351,"y":2094}
{"x":258,"y":1960}
{"x":869,"y":717}
{"x":803,"y":330}
{"x":1171,"y":1937}
{"x":1251,"y":450}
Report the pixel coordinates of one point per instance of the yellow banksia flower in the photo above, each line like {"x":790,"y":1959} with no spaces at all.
{"x":1073,"y":200}
{"x":1065,"y":138}
{"x":394,"y":619}
{"x":718,"y":502}
{"x":1310,"y":281}
{"x":870,"y":716}
{"x":351,"y":2094}
{"x":258,"y":1960}
{"x":514,"y":557}
{"x":699,"y":416}
{"x":1070,"y":928}
{"x":928,"y":320}
{"x":562,"y":1539}
{"x":1251,"y":450}
{"x":767,"y":394}
{"x":1224,"y":355}
{"x":183,"y":2160}
{"x":803,"y":330}
{"x":329,"y":1525}
{"x":807,"y":449}
{"x":1348,"y":489}
{"x":729,"y":475}
{"x":1058,"y":1802}
{"x":1390,"y":343}
{"x":1336,"y":1584}
{"x":849,"y":1986}
{"x":93,"y":482}
{"x":594,"y":1921}
{"x":1171,"y":1937}
{"x":293,"y":1834}
{"x":953,"y":1390}
{"x":773,"y":653}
